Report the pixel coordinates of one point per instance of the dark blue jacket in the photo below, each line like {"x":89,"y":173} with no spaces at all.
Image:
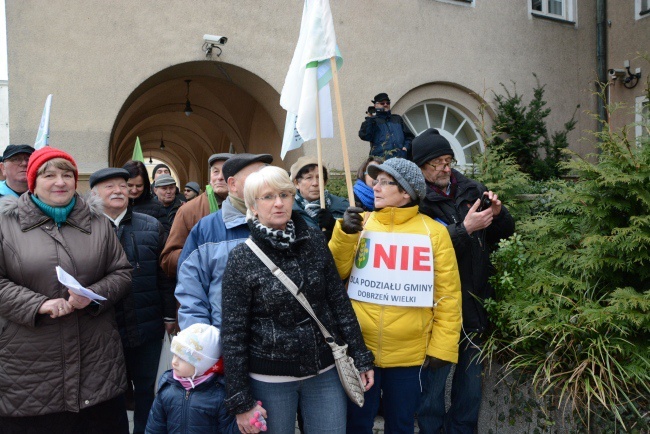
{"x":199,"y":410}
{"x":387,"y":135}
{"x":140,"y":313}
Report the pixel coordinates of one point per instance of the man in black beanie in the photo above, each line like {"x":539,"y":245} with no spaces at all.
{"x":387,"y":133}
{"x":475,"y":228}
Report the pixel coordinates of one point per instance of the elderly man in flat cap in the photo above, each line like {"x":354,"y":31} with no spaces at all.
{"x":149,"y":308}
{"x":14,"y":168}
{"x":205,"y":254}
{"x":189,"y":214}
{"x":475,"y":228}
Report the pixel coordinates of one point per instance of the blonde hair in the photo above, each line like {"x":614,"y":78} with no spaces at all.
{"x":58,"y":163}
{"x":269,"y":176}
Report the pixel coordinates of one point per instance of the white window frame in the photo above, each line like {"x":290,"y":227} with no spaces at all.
{"x":569,"y":8}
{"x":639,"y":128}
{"x":638,"y":10}
{"x":459,"y":150}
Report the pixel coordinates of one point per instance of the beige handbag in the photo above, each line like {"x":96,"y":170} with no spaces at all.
{"x":348,"y":373}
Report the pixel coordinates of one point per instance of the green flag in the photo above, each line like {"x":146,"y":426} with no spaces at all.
{"x":137,"y":151}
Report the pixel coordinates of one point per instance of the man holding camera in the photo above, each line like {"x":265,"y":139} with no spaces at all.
{"x":389,"y":137}
{"x":476,"y":220}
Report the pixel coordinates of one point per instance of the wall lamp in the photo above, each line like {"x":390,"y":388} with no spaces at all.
{"x":213,"y":42}
{"x":630,"y":79}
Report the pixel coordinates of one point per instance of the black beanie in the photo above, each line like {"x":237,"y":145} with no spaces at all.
{"x":158,"y":166}
{"x":429,"y":145}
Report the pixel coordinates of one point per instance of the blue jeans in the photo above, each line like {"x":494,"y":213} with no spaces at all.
{"x":401,"y":396}
{"x":142,"y":365}
{"x":321,"y":399}
{"x":466,"y":387}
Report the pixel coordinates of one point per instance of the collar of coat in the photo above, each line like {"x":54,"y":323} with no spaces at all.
{"x":395,"y":216}
{"x":30,"y":216}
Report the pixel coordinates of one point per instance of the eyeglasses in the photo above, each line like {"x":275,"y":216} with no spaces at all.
{"x":442,"y":165}
{"x":18,"y":159}
{"x":383,"y":103}
{"x":273,"y":197}
{"x":383,"y":182}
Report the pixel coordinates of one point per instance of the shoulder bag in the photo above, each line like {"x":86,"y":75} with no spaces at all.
{"x":348,"y":373}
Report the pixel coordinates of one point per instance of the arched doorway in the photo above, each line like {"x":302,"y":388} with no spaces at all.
{"x":232,"y":110}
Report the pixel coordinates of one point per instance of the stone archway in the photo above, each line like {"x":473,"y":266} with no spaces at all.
{"x":232,"y":109}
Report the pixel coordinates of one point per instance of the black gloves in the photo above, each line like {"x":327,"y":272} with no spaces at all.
{"x":352,"y":221}
{"x":434,"y":363}
{"x":326,"y":220}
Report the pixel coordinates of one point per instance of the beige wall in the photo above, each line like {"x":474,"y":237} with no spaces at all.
{"x":93,"y":55}
{"x":628,"y":39}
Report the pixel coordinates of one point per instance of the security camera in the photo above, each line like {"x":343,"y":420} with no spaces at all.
{"x":215,"y":40}
{"x":614,"y":74}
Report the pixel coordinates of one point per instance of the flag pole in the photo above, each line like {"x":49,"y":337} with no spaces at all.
{"x":319,"y":150}
{"x":344,"y":145}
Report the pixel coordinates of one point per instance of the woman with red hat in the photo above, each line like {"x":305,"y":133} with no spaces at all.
{"x":61,"y":355}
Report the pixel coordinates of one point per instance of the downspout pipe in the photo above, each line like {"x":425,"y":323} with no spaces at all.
{"x":601,"y":56}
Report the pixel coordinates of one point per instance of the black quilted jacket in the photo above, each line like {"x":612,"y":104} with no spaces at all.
{"x":266,"y":330}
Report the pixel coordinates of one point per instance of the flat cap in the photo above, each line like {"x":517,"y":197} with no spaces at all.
{"x":219,"y":157}
{"x":164,"y":180}
{"x":12,"y":150}
{"x":108,"y":173}
{"x":238,"y":161}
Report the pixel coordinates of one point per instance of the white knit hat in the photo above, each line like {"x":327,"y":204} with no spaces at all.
{"x":199,"y":345}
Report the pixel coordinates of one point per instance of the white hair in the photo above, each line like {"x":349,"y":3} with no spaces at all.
{"x":269,"y":176}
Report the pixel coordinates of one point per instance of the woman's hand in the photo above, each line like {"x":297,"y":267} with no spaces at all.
{"x":56,"y":308}
{"x":244,"y":419}
{"x":368,"y":378}
{"x":78,"y":301}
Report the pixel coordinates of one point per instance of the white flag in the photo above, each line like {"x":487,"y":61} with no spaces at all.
{"x":310,"y":72}
{"x":43,"y":135}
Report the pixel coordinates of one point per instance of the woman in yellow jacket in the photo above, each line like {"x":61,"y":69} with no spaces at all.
{"x":405,"y":290}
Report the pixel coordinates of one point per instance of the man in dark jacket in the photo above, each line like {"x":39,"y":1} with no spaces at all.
{"x":165,"y":189}
{"x":388,"y":135}
{"x":140,"y":314}
{"x":455,"y":201}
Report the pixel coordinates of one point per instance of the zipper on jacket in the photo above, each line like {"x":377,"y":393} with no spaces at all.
{"x":135,"y":251}
{"x":76,"y":227}
{"x":381,"y":327}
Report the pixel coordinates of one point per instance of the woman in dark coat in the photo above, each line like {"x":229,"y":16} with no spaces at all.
{"x":273,"y":350}
{"x":62,"y":367}
{"x":140,"y":197}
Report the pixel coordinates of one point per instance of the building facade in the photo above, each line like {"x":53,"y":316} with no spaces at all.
{"x":119,"y":70}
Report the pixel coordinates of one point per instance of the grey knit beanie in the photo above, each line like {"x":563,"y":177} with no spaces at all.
{"x":429,"y":145}
{"x":406,"y":173}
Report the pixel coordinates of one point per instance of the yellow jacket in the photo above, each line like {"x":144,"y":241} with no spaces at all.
{"x":401,"y":336}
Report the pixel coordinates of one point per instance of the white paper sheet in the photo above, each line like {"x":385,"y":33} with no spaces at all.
{"x":71,"y":283}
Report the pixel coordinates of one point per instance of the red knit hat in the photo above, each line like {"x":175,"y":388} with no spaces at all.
{"x":42,"y":156}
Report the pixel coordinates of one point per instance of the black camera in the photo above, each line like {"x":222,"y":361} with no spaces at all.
{"x":371,"y":110}
{"x":485,"y":203}
{"x":380,"y":110}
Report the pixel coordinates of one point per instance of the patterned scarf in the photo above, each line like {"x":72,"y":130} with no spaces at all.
{"x":312,"y":207}
{"x":279,"y":238}
{"x":365,"y":194}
